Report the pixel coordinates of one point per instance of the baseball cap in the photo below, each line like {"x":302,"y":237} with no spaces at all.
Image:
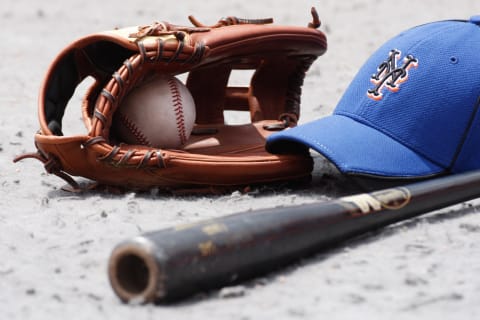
{"x":412,"y":110}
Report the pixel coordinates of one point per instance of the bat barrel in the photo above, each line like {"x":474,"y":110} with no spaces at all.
{"x":134,"y":273}
{"x":172,"y":263}
{"x":176,"y":262}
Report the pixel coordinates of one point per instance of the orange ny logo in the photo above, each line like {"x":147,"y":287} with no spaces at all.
{"x":389,"y":75}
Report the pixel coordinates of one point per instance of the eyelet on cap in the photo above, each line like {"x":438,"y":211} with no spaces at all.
{"x":475,"y":20}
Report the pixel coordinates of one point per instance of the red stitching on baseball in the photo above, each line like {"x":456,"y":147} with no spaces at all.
{"x":134,"y":130}
{"x":178,"y":108}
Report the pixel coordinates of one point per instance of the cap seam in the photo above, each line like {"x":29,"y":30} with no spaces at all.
{"x":465,"y":134}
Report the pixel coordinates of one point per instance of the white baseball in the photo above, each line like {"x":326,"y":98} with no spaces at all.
{"x":160,"y":113}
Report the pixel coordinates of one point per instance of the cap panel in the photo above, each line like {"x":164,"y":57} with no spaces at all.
{"x":429,"y":110}
{"x":354,"y":99}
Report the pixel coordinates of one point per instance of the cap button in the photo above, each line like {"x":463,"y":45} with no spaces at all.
{"x":475,"y":20}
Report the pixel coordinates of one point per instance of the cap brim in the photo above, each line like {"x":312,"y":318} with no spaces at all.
{"x":355,"y":148}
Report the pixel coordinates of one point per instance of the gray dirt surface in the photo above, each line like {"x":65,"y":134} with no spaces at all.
{"x":55,"y":245}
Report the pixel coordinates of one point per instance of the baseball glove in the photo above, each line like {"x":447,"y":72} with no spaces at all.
{"x":217,"y":155}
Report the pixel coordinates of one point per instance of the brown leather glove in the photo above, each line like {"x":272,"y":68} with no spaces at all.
{"x":216,"y":154}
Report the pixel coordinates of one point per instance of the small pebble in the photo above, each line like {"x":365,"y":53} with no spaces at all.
{"x":232,"y":292}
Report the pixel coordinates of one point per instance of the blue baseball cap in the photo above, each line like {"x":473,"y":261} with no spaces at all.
{"x":412,"y":111}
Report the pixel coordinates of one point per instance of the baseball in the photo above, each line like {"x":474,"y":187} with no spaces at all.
{"x":159,"y":113}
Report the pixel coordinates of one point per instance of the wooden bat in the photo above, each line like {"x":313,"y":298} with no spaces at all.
{"x":173,"y":263}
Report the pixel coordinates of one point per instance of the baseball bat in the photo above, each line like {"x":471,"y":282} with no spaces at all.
{"x":173,"y":263}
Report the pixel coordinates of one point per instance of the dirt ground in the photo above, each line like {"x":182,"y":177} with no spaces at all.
{"x":55,"y":245}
